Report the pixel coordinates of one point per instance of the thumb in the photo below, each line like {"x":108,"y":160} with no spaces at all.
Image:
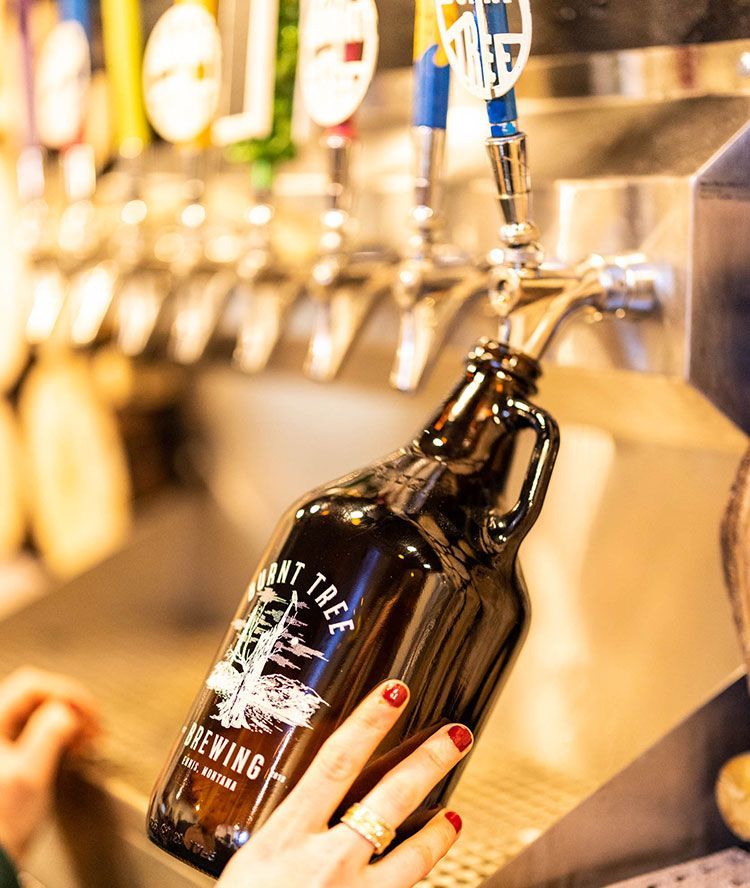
{"x":47,"y":735}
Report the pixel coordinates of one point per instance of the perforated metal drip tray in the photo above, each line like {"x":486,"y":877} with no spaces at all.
{"x":506,"y":802}
{"x":727,"y":869}
{"x":140,"y":631}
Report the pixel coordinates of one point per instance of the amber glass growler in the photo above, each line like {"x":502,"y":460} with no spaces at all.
{"x":405,"y":569}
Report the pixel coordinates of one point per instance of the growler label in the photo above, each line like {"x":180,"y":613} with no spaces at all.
{"x":255,"y":685}
{"x":248,"y":696}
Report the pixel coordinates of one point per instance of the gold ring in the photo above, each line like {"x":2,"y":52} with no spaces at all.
{"x":370,"y":826}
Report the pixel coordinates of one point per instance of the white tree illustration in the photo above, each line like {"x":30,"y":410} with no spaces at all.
{"x":249,"y":698}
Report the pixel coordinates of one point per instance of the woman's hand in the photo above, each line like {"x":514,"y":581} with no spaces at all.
{"x":41,"y":717}
{"x":295,"y":845}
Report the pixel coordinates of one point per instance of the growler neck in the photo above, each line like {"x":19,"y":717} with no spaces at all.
{"x":473,"y":421}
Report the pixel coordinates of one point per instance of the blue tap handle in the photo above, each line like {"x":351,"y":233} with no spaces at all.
{"x":501,"y":112}
{"x":431,"y":70}
{"x":77,"y":11}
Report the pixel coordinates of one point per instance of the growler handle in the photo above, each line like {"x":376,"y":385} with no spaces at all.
{"x":518,"y":521}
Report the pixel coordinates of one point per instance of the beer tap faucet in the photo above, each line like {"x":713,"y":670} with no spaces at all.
{"x":344,"y":284}
{"x":530,"y":296}
{"x":533,"y":298}
{"x":267,"y":289}
{"x":434,"y":280}
{"x":337,"y":58}
{"x":259,"y":135}
{"x":33,"y":210}
{"x":58,"y":109}
{"x":94,"y":286}
{"x":181,"y":80}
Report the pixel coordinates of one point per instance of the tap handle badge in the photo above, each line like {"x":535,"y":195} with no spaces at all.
{"x":63,"y":76}
{"x":182,"y":73}
{"x":338,"y":54}
{"x":486,"y":56}
{"x":431,"y":68}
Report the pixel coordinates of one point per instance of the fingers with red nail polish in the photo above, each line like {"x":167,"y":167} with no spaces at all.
{"x":455,"y":820}
{"x":300,"y":826}
{"x":461,"y":737}
{"x":343,"y":756}
{"x":395,"y":693}
{"x":413,"y":860}
{"x":402,"y":790}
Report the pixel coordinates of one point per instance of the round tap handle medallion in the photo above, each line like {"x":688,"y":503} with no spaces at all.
{"x":338,"y":54}
{"x":484,"y":53}
{"x":182,"y":72}
{"x":62,"y":84}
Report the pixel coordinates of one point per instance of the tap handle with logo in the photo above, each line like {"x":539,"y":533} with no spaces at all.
{"x":182,"y":73}
{"x":486,"y":56}
{"x":488,"y":49}
{"x":63,"y":76}
{"x":338,"y":52}
{"x":497,"y":64}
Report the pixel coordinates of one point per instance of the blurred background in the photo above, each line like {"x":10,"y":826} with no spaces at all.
{"x":153,"y":427}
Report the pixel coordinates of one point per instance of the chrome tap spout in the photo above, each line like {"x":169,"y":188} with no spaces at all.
{"x":430,"y":296}
{"x":532,"y":299}
{"x":434,"y":281}
{"x":620,"y":286}
{"x":266,"y":290}
{"x":343,"y":285}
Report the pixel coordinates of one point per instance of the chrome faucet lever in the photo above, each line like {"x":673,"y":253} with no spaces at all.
{"x":519,"y":262}
{"x":344,"y":285}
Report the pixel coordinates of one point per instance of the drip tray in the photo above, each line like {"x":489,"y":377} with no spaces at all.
{"x":727,"y":869}
{"x":505,"y":803}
